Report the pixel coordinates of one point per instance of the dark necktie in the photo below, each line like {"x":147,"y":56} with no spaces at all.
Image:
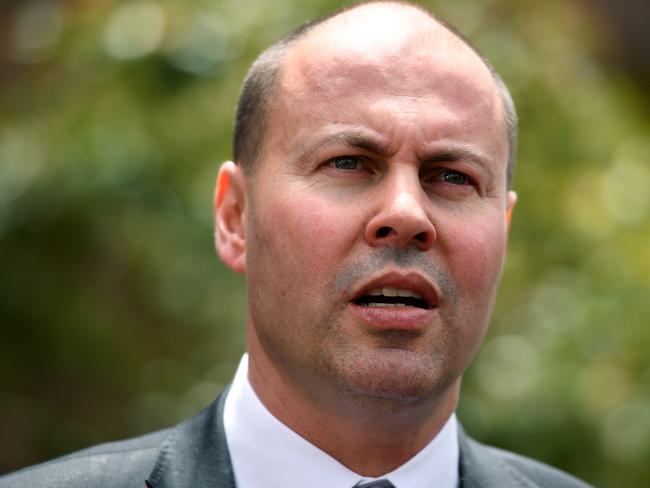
{"x":374,"y":484}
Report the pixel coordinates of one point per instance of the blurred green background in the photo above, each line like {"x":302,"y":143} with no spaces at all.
{"x":117,"y":318}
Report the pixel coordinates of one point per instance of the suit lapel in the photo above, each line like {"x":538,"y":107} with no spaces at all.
{"x":196,"y":453}
{"x":481,"y":467}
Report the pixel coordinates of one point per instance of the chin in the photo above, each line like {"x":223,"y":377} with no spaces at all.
{"x":398,"y":376}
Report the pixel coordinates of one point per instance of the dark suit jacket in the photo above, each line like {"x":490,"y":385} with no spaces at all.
{"x":194,"y":454}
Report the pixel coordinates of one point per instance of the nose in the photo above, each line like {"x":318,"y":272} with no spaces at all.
{"x":402,"y":219}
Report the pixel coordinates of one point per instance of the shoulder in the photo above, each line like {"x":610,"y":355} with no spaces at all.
{"x":539,"y":473}
{"x":123,"y":464}
{"x":193,"y":453}
{"x":486,"y":466}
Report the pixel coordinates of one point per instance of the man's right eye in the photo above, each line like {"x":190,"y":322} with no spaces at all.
{"x":346,"y":163}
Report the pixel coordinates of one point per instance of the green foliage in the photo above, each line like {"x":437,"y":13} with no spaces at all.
{"x":117,"y":318}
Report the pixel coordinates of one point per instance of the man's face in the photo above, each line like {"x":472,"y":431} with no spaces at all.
{"x":377,"y":218}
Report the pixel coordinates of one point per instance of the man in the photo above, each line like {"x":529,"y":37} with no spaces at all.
{"x":368,"y":205}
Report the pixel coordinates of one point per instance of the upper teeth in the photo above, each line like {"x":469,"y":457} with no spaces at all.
{"x":391,"y":291}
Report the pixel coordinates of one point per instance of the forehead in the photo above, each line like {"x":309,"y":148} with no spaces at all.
{"x":366,"y":68}
{"x":389,"y":39}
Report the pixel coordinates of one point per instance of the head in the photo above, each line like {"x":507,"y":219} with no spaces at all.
{"x":261,"y":85}
{"x":369,"y":206}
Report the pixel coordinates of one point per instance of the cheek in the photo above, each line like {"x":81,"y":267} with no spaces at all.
{"x":476,"y":253}
{"x":317,"y":230}
{"x":300,"y":241}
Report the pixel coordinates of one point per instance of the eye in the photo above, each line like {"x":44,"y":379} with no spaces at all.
{"x":453,"y":177}
{"x":349,"y":163}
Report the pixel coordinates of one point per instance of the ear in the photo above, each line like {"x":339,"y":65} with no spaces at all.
{"x":512,"y":199}
{"x":230,"y":216}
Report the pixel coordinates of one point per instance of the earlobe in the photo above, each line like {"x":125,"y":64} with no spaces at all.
{"x":230,"y":216}
{"x":512,"y":200}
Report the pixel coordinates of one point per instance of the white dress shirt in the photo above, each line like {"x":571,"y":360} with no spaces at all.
{"x":265,"y":453}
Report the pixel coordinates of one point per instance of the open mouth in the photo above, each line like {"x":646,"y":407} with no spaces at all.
{"x":389,"y":296}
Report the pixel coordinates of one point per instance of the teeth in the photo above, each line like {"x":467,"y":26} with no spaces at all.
{"x":407,"y":293}
{"x":375,"y":304}
{"x":391,"y":291}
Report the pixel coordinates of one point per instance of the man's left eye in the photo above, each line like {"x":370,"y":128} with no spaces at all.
{"x":453,"y":177}
{"x":346,"y":162}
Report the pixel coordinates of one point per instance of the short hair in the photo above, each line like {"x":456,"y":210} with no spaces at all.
{"x":261,"y":84}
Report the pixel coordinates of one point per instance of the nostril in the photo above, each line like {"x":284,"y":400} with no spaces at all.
{"x":383,"y":232}
{"x":421,"y":237}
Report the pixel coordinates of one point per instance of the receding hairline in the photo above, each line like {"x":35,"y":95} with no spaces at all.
{"x":273,"y":61}
{"x":357,"y":9}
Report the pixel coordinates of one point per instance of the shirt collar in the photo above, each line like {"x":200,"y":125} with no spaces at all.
{"x":265,"y":453}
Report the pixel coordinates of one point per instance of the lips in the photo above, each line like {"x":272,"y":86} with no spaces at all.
{"x":396,"y":301}
{"x":389,"y":296}
{"x":397,"y":290}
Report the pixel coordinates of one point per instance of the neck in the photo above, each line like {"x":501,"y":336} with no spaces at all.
{"x":347,"y":427}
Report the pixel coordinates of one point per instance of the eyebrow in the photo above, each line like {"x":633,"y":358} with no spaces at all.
{"x":456,"y":154}
{"x":348,"y":138}
{"x":360,"y":141}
